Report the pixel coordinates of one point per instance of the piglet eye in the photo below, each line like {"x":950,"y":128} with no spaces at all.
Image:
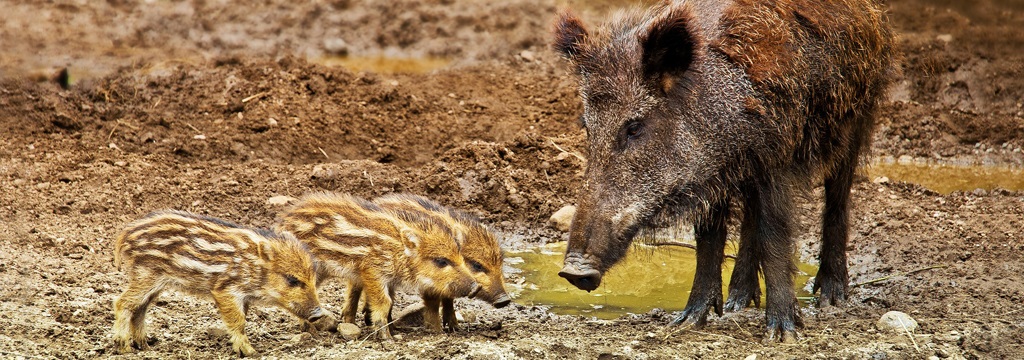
{"x":442,"y":262}
{"x":293,"y":281}
{"x":476,"y":267}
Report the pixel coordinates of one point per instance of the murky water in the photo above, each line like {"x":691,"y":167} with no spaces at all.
{"x":945,"y":178}
{"x":386,"y":65}
{"x":647,"y":278}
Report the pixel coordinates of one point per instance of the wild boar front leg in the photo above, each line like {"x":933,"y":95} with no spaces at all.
{"x":431,"y":317}
{"x":378,"y":299}
{"x":772,"y":211}
{"x":448,"y":314}
{"x":230,"y":308}
{"x":706,"y":293}
{"x":352,"y":293}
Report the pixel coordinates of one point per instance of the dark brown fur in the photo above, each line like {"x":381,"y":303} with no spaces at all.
{"x":692,"y":103}
{"x":204,"y":256}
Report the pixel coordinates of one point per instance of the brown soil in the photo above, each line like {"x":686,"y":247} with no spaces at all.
{"x":215,"y":108}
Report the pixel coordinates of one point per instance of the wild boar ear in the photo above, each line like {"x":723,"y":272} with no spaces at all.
{"x":410,"y":240}
{"x":569,"y":34}
{"x":668,"y":46}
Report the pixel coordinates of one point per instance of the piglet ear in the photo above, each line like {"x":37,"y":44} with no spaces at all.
{"x":265,"y":251}
{"x":669,"y":45}
{"x":569,"y":34}
{"x":410,"y":240}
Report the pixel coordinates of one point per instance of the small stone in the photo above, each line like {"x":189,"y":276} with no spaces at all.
{"x":199,"y":137}
{"x":880,"y":180}
{"x":121,"y":163}
{"x":113,"y":146}
{"x":397,"y":337}
{"x":336,"y":46}
{"x":300,"y":338}
{"x":280,"y":200}
{"x":944,"y":38}
{"x":271,"y":122}
{"x":751,"y":357}
{"x":349,"y":331}
{"x":528,"y":55}
{"x":326,"y":323}
{"x":466,"y":316}
{"x":895,"y":321}
{"x":43,"y":185}
{"x":562,"y":218}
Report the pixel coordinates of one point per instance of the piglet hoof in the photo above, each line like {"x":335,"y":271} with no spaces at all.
{"x":245,"y":350}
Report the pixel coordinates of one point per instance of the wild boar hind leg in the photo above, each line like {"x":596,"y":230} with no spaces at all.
{"x":833,"y":277}
{"x":130,"y":314}
{"x":706,"y":293}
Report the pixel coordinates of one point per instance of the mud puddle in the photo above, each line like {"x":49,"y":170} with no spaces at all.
{"x":947,"y":178}
{"x":649,"y":277}
{"x":386,"y":65}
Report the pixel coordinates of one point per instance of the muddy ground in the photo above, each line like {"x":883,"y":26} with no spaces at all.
{"x":215,"y":107}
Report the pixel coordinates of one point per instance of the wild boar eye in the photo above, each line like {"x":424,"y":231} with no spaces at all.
{"x":442,"y":262}
{"x":293,"y":281}
{"x":476,"y":267}
{"x":634,"y":129}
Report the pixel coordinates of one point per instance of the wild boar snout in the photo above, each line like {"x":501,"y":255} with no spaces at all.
{"x":316,"y":314}
{"x":583,"y":277}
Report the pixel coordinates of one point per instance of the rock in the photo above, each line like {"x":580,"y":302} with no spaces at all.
{"x":751,"y":357}
{"x":300,"y":338}
{"x":895,"y":321}
{"x":562,"y":218}
{"x":281,"y":200}
{"x":944,"y":38}
{"x":326,"y":323}
{"x":880,"y":180}
{"x":217,"y":332}
{"x":336,"y":46}
{"x":528,"y":55}
{"x":466,"y":316}
{"x":349,"y":331}
{"x":271,"y":122}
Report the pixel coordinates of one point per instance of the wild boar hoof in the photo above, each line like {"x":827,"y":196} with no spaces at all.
{"x":692,"y":317}
{"x":833,"y":292}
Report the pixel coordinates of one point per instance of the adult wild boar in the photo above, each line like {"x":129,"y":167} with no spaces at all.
{"x":692,"y":103}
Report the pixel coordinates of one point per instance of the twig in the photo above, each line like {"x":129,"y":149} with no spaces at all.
{"x":374,"y":332}
{"x":911,"y":336}
{"x":323,"y":152}
{"x":193,"y":128}
{"x":248,"y":99}
{"x":1011,"y":312}
{"x":116,"y":124}
{"x":2,"y":352}
{"x":884,"y":278}
{"x":740,"y":327}
{"x":573,"y":153}
{"x":685,"y":245}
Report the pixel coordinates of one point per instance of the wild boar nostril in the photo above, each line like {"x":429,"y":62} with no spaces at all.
{"x":585,"y":279}
{"x":502,"y":301}
{"x":475,"y":290}
{"x":316,"y":314}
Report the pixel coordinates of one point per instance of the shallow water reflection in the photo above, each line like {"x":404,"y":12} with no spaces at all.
{"x":647,"y":278}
